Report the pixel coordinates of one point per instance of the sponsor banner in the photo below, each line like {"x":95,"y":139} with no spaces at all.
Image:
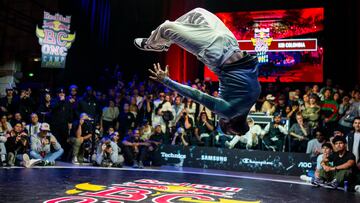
{"x":282,"y":163}
{"x":55,"y":40}
{"x":281,"y":45}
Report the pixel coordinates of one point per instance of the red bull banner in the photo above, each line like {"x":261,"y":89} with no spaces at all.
{"x":55,"y":40}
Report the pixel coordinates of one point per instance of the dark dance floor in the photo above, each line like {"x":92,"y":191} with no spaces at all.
{"x":89,"y":184}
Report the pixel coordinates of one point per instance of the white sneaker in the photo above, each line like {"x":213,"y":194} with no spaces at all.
{"x":75,"y":161}
{"x":357,"y":188}
{"x":26,"y":160}
{"x":140,"y":43}
{"x":33,"y":162}
{"x":228,"y":145}
{"x":305,"y":178}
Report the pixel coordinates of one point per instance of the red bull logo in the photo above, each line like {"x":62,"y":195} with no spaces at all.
{"x":261,"y":42}
{"x":55,"y":40}
{"x":149,"y":190}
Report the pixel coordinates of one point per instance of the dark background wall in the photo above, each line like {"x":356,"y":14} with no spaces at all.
{"x":92,"y":53}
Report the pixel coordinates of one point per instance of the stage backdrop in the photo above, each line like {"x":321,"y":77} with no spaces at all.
{"x":282,"y":163}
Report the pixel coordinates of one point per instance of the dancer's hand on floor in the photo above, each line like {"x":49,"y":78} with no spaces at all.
{"x":158,"y":74}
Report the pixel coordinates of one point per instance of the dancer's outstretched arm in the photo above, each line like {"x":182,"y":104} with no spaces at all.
{"x":215,"y":104}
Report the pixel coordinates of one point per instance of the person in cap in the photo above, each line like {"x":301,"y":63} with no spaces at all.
{"x":108,"y":153}
{"x":45,"y":147}
{"x":251,"y":138}
{"x":180,"y":137}
{"x":61,"y":118}
{"x":343,"y":165}
{"x":268,"y":106}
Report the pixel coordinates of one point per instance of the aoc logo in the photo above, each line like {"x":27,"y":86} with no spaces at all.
{"x":171,"y":155}
{"x":148,"y":190}
{"x":305,"y":165}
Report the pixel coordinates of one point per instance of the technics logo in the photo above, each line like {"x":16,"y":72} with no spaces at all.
{"x":171,"y":155}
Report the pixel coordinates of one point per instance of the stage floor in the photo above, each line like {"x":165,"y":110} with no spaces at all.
{"x":164,"y":184}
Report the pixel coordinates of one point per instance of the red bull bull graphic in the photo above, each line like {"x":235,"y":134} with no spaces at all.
{"x":55,"y":40}
{"x":149,"y":190}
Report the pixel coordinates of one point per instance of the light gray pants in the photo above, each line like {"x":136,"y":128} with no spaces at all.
{"x":205,"y":35}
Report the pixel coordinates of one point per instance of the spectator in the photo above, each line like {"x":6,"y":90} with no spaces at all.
{"x":343,"y":168}
{"x":203,"y":130}
{"x":5,"y":126}
{"x":146,"y":110}
{"x":353,"y":140}
{"x":26,"y":103}
{"x":156,"y":139}
{"x":314,"y":146}
{"x":61,"y":120}
{"x":311,"y":113}
{"x":177,"y":109}
{"x":268,"y":106}
{"x":180,"y":138}
{"x":45,"y":107}
{"x":326,"y":149}
{"x":329,"y":112}
{"x":17,"y":147}
{"x":81,"y":139}
{"x":109,"y":115}
{"x":158,"y":119}
{"x":250,"y":139}
{"x":89,"y":104}
{"x":3,"y":152}
{"x":73,"y":99}
{"x":17,"y":118}
{"x":33,"y":127}
{"x":274,"y":134}
{"x":190,"y":107}
{"x":126,"y":120}
{"x":186,"y":123}
{"x":45,"y":147}
{"x":135,"y":149}
{"x":108,"y":154}
{"x":280,"y":106}
{"x":9,"y":104}
{"x":300,"y":134}
{"x":146,"y":131}
{"x":346,"y":121}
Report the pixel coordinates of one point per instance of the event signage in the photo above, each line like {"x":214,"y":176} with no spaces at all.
{"x":283,"y":163}
{"x":278,"y":45}
{"x":55,"y":40}
{"x":152,"y":190}
{"x":261,"y":43}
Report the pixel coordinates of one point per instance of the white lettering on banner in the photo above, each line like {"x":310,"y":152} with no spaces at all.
{"x":250,"y":161}
{"x":291,"y":45}
{"x":305,"y":165}
{"x":171,"y":155}
{"x":213,"y":158}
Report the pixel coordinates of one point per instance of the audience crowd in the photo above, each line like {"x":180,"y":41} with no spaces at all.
{"x":125,"y":122}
